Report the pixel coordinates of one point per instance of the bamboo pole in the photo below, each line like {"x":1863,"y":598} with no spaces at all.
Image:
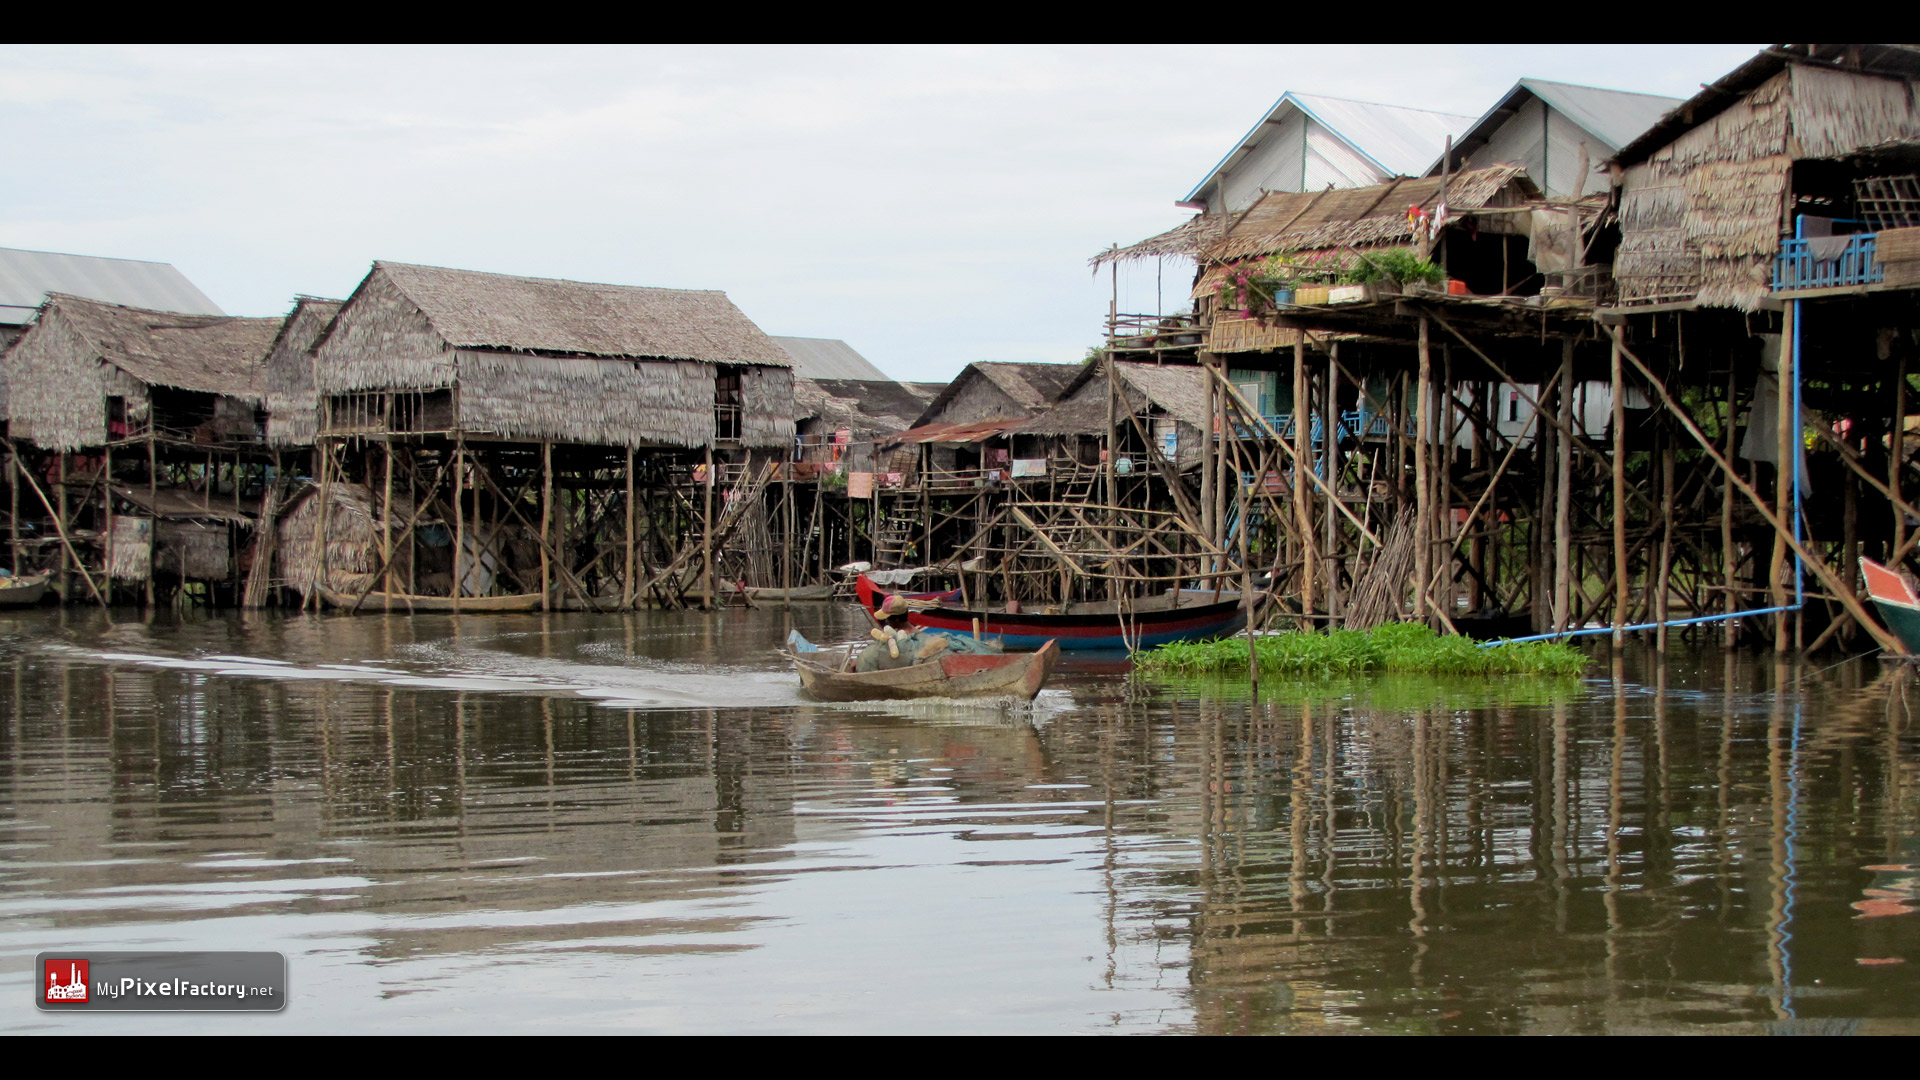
{"x":68,"y":557}
{"x":1898,"y":444}
{"x":1209,"y":440}
{"x":1782,"y":477}
{"x":546,"y":524}
{"x":1729,"y":557}
{"x":706,"y":537}
{"x":1661,"y":591}
{"x":13,"y":519}
{"x":153,"y":500}
{"x":386,"y":517}
{"x":1302,"y":493}
{"x":1828,"y":579}
{"x":1619,"y":462}
{"x":628,"y":596}
{"x":1563,"y":497}
{"x":1329,"y":525}
{"x":1423,"y":487}
{"x":460,"y":571}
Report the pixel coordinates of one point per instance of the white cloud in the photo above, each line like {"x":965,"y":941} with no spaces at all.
{"x":931,"y":205}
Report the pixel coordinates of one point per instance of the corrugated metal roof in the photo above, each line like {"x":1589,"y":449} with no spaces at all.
{"x":1618,"y":116}
{"x":1401,"y":141}
{"x":26,"y":277}
{"x":828,"y":358}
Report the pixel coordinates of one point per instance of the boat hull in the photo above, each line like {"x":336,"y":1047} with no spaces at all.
{"x":24,"y":594}
{"x":969,"y":676}
{"x":376,"y":603}
{"x":1091,"y":632}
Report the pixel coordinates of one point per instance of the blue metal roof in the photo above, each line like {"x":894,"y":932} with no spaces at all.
{"x":26,"y":277}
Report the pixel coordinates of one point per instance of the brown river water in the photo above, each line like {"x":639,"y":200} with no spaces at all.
{"x":607,"y":823}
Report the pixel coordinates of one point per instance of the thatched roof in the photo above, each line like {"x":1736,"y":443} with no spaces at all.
{"x":1333,"y":218}
{"x":1178,"y":391}
{"x":213,"y":354}
{"x":474,"y":310}
{"x":863,"y":406}
{"x":1031,"y":388}
{"x":292,"y":403}
{"x":532,"y":358}
{"x":1701,"y":211}
{"x":80,"y":352}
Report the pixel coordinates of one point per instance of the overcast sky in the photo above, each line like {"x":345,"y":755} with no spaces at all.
{"x":932,"y":206}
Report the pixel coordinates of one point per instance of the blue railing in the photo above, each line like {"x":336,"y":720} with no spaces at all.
{"x":1354,"y":424}
{"x":1799,"y":267}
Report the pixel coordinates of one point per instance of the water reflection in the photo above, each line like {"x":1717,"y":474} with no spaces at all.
{"x":634,"y":823}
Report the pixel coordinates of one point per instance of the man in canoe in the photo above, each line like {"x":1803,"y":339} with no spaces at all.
{"x":896,"y":644}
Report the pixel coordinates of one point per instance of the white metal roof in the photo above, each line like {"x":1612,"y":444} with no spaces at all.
{"x":1398,"y":140}
{"x":26,"y":277}
{"x":828,"y":358}
{"x":1615,"y":117}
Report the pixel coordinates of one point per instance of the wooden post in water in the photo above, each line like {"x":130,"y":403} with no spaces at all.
{"x":1330,"y":528}
{"x":1563,"y":497}
{"x":67,"y":557}
{"x":13,"y":520}
{"x":1661,"y":593}
{"x":1898,"y":444}
{"x":627,"y":594}
{"x":460,"y":571}
{"x":1302,"y":494}
{"x":1782,"y":477}
{"x":1208,"y":448}
{"x":386,"y":514}
{"x":1422,"y":482}
{"x":1729,"y":556}
{"x":546,"y":524}
{"x":153,"y":500}
{"x":1619,"y":459}
{"x":706,"y":538}
{"x":106,"y":515}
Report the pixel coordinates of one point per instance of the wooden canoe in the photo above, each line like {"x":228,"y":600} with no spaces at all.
{"x":795,"y":595}
{"x":406,"y":603}
{"x":24,"y":591}
{"x":961,"y":676}
{"x":1190,"y":615}
{"x":1899,"y":607}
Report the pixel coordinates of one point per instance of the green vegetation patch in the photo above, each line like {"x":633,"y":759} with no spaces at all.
{"x":1401,"y":648}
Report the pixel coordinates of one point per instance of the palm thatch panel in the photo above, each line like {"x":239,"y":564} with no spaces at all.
{"x":766,"y":407}
{"x":352,"y":555}
{"x":131,"y":547}
{"x":194,"y":550}
{"x":1836,"y":113}
{"x":381,"y":340}
{"x":54,"y":400}
{"x":586,"y":400}
{"x":293,"y":416}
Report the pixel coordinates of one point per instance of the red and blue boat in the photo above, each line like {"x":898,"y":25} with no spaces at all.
{"x":1187,"y":615}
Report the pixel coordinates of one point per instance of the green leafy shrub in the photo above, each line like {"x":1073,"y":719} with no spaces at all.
{"x":1405,"y":648}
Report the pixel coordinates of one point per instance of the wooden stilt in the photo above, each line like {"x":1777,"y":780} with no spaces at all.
{"x":546,"y":524}
{"x":1209,"y":447}
{"x":1897,"y":445}
{"x":462,"y":564}
{"x":1782,"y":479}
{"x":1729,"y":555}
{"x":1302,"y":493}
{"x":153,"y":500}
{"x":1563,"y":497}
{"x":627,"y":596}
{"x":1422,"y":480}
{"x":13,"y":519}
{"x":386,"y":517}
{"x":1619,"y":504}
{"x":1330,"y":525}
{"x":706,"y":538}
{"x":1662,"y":592}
